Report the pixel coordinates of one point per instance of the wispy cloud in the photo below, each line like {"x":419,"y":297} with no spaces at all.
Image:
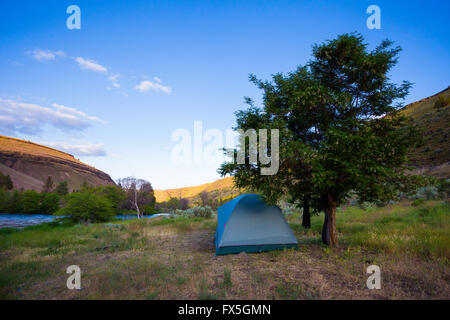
{"x":77,"y":113}
{"x":45,"y":55}
{"x":27,"y":118}
{"x":114,"y":78}
{"x":90,"y":65}
{"x":85,"y":149}
{"x":147,"y":85}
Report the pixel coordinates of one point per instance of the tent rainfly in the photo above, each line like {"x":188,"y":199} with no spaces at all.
{"x":248,"y":224}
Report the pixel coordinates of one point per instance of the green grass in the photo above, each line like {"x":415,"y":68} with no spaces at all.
{"x":174,"y":257}
{"x":401,"y":229}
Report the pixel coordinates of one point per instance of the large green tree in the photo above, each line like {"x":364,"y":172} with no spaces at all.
{"x":340,"y":132}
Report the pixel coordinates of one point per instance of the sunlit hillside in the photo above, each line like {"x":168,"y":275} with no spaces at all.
{"x":224,"y":184}
{"x":433,"y":118}
{"x":30,"y":164}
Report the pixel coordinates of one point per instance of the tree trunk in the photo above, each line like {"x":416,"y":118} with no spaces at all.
{"x":136,"y":205}
{"x":306,"y":222}
{"x":329,"y":233}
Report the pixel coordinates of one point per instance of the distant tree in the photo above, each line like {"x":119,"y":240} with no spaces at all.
{"x":86,"y":206}
{"x":6,"y":182}
{"x":204,"y":196}
{"x":146,"y":195}
{"x":114,"y":194}
{"x":10,"y":201}
{"x":62,"y":188}
{"x":84,"y":186}
{"x":173,"y":203}
{"x":31,"y":201}
{"x":48,"y":185}
{"x":4,"y":201}
{"x":49,"y":203}
{"x":139,"y":193}
{"x":184,"y":203}
{"x":340,"y":132}
{"x":16,"y":202}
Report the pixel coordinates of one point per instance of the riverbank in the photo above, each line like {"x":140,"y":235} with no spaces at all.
{"x":22,"y":220}
{"x":173,"y":258}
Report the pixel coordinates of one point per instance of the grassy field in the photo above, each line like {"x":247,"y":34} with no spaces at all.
{"x":173,"y":258}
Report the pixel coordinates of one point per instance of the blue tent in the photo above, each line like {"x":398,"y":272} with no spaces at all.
{"x":248,"y":224}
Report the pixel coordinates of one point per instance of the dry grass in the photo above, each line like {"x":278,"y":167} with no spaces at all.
{"x":13,"y":145}
{"x":434,"y":124}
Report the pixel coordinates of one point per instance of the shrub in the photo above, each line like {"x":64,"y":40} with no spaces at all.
{"x":6,"y":182}
{"x":442,"y":102}
{"x":114,"y":194}
{"x":428,"y":193}
{"x":364,"y":205}
{"x":418,"y":202}
{"x":148,"y":209}
{"x":203,"y":212}
{"x":49,"y":203}
{"x":86,"y":206}
{"x":30,"y":201}
{"x":62,"y":188}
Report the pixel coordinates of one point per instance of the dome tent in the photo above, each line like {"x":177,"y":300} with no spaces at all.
{"x":248,"y":224}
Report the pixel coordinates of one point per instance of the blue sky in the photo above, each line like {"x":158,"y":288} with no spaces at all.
{"x":113,"y":92}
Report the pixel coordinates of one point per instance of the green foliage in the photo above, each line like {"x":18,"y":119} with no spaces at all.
{"x":49,"y":203}
{"x":173,"y":203}
{"x":418,"y":202}
{"x":28,"y":201}
{"x":15,"y":202}
{"x":62,"y":188}
{"x":227,"y":282}
{"x":4,"y":201}
{"x":86,"y":206}
{"x":31,"y":201}
{"x":148,"y":210}
{"x":5,"y":182}
{"x":202,"y":212}
{"x":113,"y":194}
{"x":443,"y":187}
{"x":48,"y":185}
{"x":429,"y":192}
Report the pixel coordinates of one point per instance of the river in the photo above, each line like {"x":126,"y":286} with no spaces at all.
{"x":19,"y":220}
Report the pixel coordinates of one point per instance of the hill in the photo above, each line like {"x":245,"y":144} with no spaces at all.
{"x":432,"y":115}
{"x":29,"y":164}
{"x":218,"y":189}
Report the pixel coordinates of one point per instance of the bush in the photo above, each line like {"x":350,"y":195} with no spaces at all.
{"x":428,"y":193}
{"x":62,"y":188}
{"x":85,"y":206}
{"x":148,"y":210}
{"x":418,"y":202}
{"x":442,"y":102}
{"x":114,"y":194}
{"x":203,"y":212}
{"x":49,"y":203}
{"x":31,"y":201}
